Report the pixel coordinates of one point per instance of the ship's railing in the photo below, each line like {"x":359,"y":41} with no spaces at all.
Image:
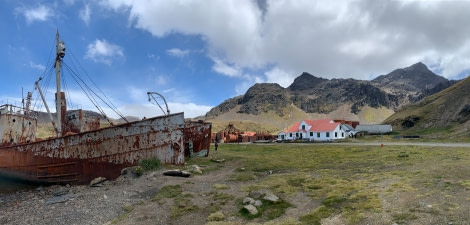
{"x":10,"y":109}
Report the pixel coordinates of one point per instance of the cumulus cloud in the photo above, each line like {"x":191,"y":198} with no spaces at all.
{"x":279,"y":76}
{"x":190,"y":110}
{"x":103,"y":51}
{"x":40,"y":13}
{"x":37,"y":66}
{"x":332,"y":39}
{"x":222,"y":68}
{"x":85,"y":14}
{"x":176,"y":52}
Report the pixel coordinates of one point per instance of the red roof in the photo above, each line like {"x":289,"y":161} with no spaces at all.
{"x":294,"y":127}
{"x":315,"y":125}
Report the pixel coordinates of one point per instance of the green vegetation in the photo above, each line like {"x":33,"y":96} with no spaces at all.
{"x":182,"y":201}
{"x":267,"y":211}
{"x":150,"y":164}
{"x":353,"y":181}
{"x":345,"y":184}
{"x":127,"y":210}
{"x":170,"y":191}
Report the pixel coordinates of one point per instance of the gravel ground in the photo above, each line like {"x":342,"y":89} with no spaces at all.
{"x":81,"y":204}
{"x":107,"y":203}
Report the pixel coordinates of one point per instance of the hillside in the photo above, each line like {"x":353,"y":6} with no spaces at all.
{"x":448,"y":110}
{"x":310,"y":97}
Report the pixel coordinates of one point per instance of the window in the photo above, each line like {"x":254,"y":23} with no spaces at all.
{"x":297,"y":134}
{"x":327,"y":134}
{"x":311,"y":133}
{"x":339,"y":127}
{"x":303,"y":127}
{"x":290,"y":134}
{"x":336,"y":134}
{"x":342,"y":134}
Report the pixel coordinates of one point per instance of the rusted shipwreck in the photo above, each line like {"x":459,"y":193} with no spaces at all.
{"x":81,"y":150}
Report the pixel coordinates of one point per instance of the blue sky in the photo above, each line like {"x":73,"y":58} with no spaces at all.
{"x":199,"y":53}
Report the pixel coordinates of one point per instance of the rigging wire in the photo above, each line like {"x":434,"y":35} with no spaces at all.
{"x":48,"y":75}
{"x":110,"y":105}
{"x":88,"y":91}
{"x":49,"y":70}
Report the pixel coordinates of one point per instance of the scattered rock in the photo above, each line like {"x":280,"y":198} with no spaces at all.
{"x":218,"y":160}
{"x":97,"y":182}
{"x":255,"y":194}
{"x":272,"y":198}
{"x":257,"y":203}
{"x":60,"y":191}
{"x":40,"y":188}
{"x":196,"y":169}
{"x":251,"y":209}
{"x":248,"y":200}
{"x":58,"y":199}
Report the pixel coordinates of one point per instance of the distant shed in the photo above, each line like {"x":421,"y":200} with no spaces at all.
{"x":374,"y":128}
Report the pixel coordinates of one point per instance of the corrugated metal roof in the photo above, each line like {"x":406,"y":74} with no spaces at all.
{"x":374,"y":128}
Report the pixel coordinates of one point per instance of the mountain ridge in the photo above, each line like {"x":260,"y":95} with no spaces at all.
{"x":318,"y":97}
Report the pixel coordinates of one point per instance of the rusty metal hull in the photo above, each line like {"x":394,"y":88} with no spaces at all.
{"x":79,"y":158}
{"x":197,"y":138}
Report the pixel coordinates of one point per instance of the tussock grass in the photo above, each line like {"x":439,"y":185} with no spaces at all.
{"x":353,"y":181}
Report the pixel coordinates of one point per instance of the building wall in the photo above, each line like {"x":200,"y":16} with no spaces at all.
{"x":337,"y":133}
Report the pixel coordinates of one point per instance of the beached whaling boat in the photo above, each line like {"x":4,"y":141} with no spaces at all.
{"x":81,"y":150}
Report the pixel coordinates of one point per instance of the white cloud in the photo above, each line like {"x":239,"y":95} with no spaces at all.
{"x":85,"y":14}
{"x":280,"y":77}
{"x":190,"y":110}
{"x":104,"y":52}
{"x":222,"y":68}
{"x":331,"y":39}
{"x":176,"y":52}
{"x":37,"y":66}
{"x":161,"y":80}
{"x":40,"y":13}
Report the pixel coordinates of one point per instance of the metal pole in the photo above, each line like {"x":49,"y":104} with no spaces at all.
{"x":45,"y":104}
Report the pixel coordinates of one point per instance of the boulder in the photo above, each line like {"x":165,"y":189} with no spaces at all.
{"x":251,"y":209}
{"x":272,"y":198}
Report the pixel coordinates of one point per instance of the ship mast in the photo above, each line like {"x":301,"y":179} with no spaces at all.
{"x":60,"y":102}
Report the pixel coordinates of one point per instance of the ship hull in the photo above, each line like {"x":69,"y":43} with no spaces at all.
{"x":79,"y":158}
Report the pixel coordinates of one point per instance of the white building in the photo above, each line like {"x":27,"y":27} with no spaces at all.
{"x":314,"y":130}
{"x":374,"y":128}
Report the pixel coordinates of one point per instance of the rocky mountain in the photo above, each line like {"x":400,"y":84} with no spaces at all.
{"x":448,"y":110}
{"x":311,"y":97}
{"x":411,"y":84}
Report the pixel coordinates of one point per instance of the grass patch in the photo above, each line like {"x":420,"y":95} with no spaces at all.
{"x":169,"y":191}
{"x":182,"y":206}
{"x":351,"y":181}
{"x":127,"y":210}
{"x":182,"y":203}
{"x":314,"y":218}
{"x":150,"y":164}
{"x":220,"y":186}
{"x":403,"y":217}
{"x":243,"y":176}
{"x":267,"y":211}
